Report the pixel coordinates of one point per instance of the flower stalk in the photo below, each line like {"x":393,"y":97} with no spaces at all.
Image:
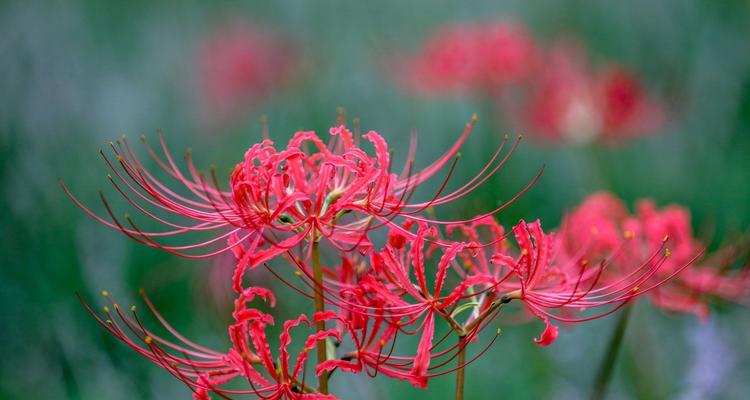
{"x":607,"y":367}
{"x":320,"y":326}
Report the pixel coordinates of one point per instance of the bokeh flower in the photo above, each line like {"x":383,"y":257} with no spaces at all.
{"x":602,"y":225}
{"x":238,"y":65}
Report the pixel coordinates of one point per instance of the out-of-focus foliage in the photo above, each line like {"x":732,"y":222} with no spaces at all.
{"x":74,"y":75}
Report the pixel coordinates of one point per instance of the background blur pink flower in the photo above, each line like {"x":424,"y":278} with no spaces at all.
{"x":472,"y":57}
{"x":602,"y":226}
{"x":572,"y":102}
{"x":237,"y":65}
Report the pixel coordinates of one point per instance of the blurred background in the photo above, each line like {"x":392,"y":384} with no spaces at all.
{"x":75,"y":75}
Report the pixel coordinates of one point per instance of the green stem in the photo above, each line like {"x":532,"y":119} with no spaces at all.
{"x":607,"y":366}
{"x":319,"y":307}
{"x":461,"y":369}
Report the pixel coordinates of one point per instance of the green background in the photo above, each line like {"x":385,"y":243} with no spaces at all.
{"x":74,"y":75}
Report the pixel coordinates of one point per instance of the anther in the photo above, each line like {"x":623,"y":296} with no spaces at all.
{"x":106,"y":310}
{"x":629,"y":234}
{"x":105,"y":293}
{"x":132,"y":308}
{"x":474,"y":117}
{"x":148,"y":340}
{"x":666,"y":237}
{"x":667,"y":253}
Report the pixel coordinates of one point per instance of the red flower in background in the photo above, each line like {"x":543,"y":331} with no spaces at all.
{"x":560,"y":96}
{"x":602,"y":225}
{"x":472,"y":57}
{"x":569,"y":102}
{"x":237,"y":66}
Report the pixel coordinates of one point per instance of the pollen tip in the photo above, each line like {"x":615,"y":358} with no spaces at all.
{"x":109,"y":321}
{"x":109,"y":176}
{"x":117,"y":306}
{"x":635,"y":289}
{"x":132,"y":308}
{"x":141,"y":291}
{"x":105,"y":293}
{"x":666,"y":237}
{"x":506,"y":136}
{"x":382,"y":342}
{"x":106,"y":310}
{"x":143,"y":137}
{"x":499,"y":331}
{"x":667,"y":253}
{"x":474,"y":117}
{"x":148,"y":340}
{"x":127,"y":215}
{"x":629,"y":234}
{"x":458,"y":154}
{"x":297,"y":273}
{"x":119,"y":157}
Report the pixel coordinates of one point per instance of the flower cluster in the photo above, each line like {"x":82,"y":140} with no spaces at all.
{"x":552,"y":92}
{"x":429,"y":280}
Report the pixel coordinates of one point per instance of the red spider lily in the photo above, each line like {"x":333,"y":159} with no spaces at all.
{"x":475,"y":57}
{"x":280,"y":198}
{"x":378,"y":301}
{"x":249,"y":359}
{"x":381,"y":301}
{"x":237,"y":65}
{"x":568,"y":102}
{"x":551,"y":285}
{"x":602,"y":224}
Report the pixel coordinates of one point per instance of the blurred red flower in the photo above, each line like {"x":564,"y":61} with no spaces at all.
{"x":238,"y":65}
{"x":472,"y":57}
{"x":568,"y":102}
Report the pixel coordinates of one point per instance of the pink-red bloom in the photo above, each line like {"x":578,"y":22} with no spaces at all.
{"x":237,"y":66}
{"x":472,"y":57}
{"x":248,"y":360}
{"x":280,"y":198}
{"x":603,"y":225}
{"x":571,"y":102}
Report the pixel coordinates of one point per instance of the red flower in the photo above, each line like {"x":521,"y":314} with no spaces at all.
{"x":551,"y":285}
{"x":281,"y":198}
{"x":237,"y":65}
{"x":602,"y":224}
{"x":476,"y":57}
{"x":569,"y":102}
{"x":249,"y":359}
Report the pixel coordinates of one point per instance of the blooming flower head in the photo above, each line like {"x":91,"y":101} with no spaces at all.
{"x":602,"y":224}
{"x":281,"y":198}
{"x":248,"y":359}
{"x":237,"y":65}
{"x":472,"y":57}
{"x":552,"y":286}
{"x":570,"y":102}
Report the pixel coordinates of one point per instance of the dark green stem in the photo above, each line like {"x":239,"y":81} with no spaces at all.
{"x":607,"y":366}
